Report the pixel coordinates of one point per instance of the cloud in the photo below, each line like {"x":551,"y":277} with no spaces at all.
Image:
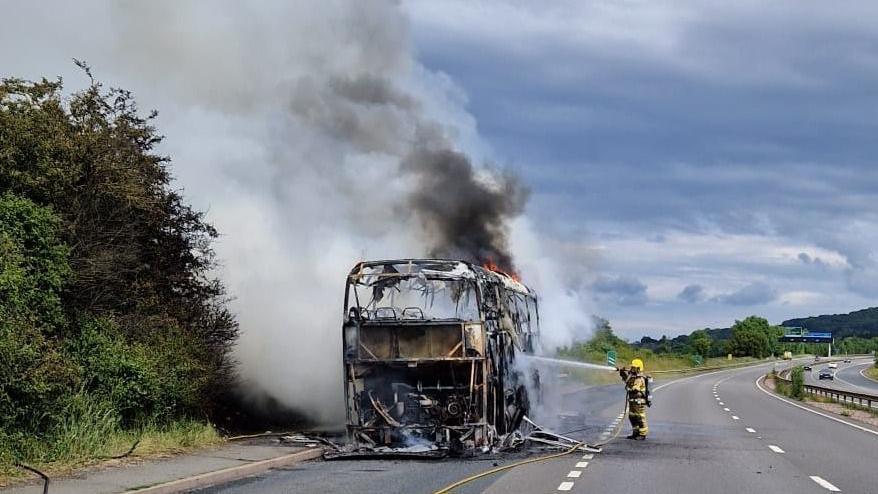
{"x":811,"y":260}
{"x":692,"y":294}
{"x":622,"y":290}
{"x":756,"y":293}
{"x":668,"y":121}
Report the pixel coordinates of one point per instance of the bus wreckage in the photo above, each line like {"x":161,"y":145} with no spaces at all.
{"x":430,"y":350}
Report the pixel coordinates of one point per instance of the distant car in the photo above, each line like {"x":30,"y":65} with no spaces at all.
{"x":806,"y":367}
{"x":826,"y":374}
{"x":847,"y":360}
{"x":833,"y":365}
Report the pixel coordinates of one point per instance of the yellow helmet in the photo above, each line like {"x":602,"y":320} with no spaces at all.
{"x":637,"y":364}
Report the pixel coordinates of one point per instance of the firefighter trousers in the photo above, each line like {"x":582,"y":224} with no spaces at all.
{"x":637,"y":416}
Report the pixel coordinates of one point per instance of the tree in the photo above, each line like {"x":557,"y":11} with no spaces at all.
{"x":138,"y":254}
{"x":701,"y":342}
{"x":34,"y":377}
{"x":752,"y":337}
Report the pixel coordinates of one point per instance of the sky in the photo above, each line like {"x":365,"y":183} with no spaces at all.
{"x":689,"y":163}
{"x":692,"y":163}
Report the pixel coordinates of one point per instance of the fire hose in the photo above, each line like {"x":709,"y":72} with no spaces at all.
{"x":575,"y":447}
{"x":41,"y":474}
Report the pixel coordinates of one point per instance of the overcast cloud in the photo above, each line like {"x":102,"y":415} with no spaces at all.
{"x":719,"y":153}
{"x":691,"y":163}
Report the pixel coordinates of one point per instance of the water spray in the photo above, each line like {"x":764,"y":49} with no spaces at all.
{"x":567,"y":363}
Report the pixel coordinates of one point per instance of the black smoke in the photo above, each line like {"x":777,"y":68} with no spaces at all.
{"x":466,"y":215}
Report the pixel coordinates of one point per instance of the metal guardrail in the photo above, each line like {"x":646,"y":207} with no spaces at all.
{"x":839,"y":395}
{"x":862,"y":399}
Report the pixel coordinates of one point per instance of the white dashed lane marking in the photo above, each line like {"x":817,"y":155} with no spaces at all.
{"x":775,"y":449}
{"x":726,"y":409}
{"x":565,"y":486}
{"x":751,"y":430}
{"x":735,"y":417}
{"x":588,"y":456}
{"x":825,"y":484}
{"x":582,"y":464}
{"x":574,"y":474}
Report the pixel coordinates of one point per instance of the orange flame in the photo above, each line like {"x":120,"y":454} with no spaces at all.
{"x":490,"y":265}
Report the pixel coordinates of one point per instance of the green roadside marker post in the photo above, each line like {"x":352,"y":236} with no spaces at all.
{"x":611,"y":358}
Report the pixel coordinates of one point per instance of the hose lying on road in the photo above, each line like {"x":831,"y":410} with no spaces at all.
{"x":41,"y":474}
{"x":447,"y":489}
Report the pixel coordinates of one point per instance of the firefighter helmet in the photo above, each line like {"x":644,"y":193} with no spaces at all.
{"x":637,"y":364}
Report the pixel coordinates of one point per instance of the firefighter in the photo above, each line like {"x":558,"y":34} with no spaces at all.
{"x":637,"y":391}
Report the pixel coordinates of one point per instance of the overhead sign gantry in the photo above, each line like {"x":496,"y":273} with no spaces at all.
{"x":802,"y":335}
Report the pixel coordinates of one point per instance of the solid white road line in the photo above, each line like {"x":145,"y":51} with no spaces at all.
{"x":565,"y":486}
{"x":581,"y":464}
{"x":751,"y":430}
{"x":830,"y":417}
{"x":826,"y":485}
{"x":735,"y":417}
{"x":588,"y":456}
{"x":776,"y":449}
{"x":574,"y":474}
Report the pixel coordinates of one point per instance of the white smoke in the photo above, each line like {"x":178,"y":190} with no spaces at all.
{"x":289,"y":123}
{"x":565,"y":312}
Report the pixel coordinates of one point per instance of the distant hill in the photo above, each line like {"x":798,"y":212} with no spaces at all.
{"x":858,"y":323}
{"x":862,"y":323}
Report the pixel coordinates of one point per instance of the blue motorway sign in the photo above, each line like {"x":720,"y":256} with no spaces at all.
{"x":807,"y":338}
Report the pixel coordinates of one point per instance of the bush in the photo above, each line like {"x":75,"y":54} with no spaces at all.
{"x":143,"y":382}
{"x":797,"y":379}
{"x":110,"y":320}
{"x":34,"y":375}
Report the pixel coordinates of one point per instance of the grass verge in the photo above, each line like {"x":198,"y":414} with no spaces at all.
{"x":91,"y":441}
{"x":872,"y":372}
{"x":652,"y":364}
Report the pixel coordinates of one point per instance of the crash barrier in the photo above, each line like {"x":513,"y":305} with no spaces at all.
{"x":841,"y":396}
{"x":720,"y":367}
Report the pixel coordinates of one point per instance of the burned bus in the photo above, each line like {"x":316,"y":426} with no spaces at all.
{"x":430,"y":354}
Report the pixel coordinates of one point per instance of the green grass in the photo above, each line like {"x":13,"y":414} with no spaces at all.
{"x":872,"y":372}
{"x":846,"y":407}
{"x":91,"y":433}
{"x":651,"y":362}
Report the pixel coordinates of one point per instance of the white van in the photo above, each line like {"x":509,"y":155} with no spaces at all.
{"x":833,"y":365}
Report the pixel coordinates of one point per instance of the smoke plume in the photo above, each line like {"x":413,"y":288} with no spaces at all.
{"x":313,"y":137}
{"x":324,"y":142}
{"x":467,"y":218}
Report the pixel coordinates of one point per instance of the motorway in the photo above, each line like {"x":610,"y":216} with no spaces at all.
{"x":716,"y":432}
{"x":848,"y":377}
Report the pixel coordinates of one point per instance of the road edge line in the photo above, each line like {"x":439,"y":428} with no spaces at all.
{"x":807,"y":409}
{"x":228,"y":474}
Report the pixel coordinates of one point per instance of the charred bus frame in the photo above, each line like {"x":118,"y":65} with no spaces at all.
{"x":430,"y":351}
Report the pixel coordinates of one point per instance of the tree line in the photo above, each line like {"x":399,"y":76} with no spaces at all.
{"x":107,"y":301}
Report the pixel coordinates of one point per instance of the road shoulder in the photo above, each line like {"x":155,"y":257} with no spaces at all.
{"x":179,"y":473}
{"x":822,"y":411}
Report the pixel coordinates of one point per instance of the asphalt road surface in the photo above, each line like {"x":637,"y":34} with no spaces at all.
{"x":848,"y":377}
{"x":716,"y":432}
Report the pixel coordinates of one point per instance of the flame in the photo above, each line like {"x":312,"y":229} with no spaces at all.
{"x":490,"y":265}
